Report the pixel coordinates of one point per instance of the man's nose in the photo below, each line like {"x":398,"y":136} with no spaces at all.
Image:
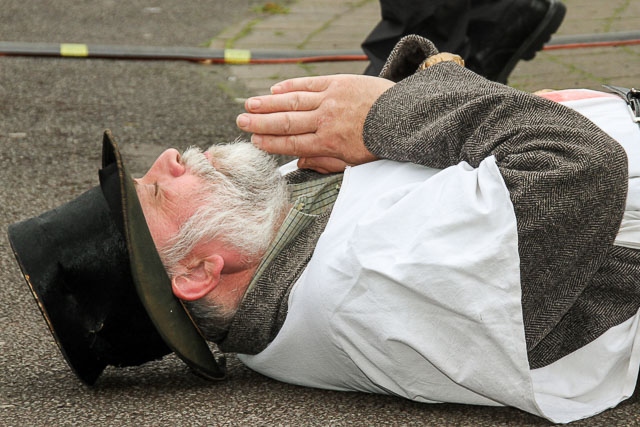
{"x":169,"y":162}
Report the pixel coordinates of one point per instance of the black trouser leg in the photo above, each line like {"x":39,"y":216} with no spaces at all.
{"x":444,"y":22}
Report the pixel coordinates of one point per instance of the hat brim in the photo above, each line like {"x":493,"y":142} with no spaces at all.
{"x":152,"y":283}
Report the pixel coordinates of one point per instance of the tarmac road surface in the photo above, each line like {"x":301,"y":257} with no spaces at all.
{"x":52,"y":115}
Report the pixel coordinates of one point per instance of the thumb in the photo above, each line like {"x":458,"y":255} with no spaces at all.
{"x":322,"y":164}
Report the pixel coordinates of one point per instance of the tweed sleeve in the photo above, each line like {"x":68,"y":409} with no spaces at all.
{"x":567,"y":179}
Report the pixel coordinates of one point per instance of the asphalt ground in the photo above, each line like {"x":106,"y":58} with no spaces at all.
{"x":53,"y":113}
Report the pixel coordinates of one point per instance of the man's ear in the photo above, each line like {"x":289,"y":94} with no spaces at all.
{"x":198,"y":280}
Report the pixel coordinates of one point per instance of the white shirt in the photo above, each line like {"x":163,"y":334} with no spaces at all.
{"x":414,"y":290}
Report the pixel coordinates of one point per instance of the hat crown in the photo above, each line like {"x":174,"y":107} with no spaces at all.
{"x":76,"y":263}
{"x":99,"y":281}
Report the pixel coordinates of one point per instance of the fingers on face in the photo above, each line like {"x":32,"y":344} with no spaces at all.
{"x":301,"y":145}
{"x":304,"y":84}
{"x":287,"y":123}
{"x":295,"y":101}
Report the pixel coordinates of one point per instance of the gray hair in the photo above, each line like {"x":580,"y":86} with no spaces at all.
{"x":242,"y":199}
{"x":212,"y":320}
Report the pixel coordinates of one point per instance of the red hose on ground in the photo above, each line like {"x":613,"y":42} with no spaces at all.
{"x":246,"y":56}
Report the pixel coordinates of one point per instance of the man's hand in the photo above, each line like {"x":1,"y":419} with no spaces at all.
{"x":318,"y":119}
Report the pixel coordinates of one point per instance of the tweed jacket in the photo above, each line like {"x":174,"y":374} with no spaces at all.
{"x":567,"y":181}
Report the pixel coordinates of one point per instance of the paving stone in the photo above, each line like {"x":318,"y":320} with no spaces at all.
{"x":335,"y":24}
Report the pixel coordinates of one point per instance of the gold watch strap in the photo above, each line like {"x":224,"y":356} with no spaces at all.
{"x":441,"y":57}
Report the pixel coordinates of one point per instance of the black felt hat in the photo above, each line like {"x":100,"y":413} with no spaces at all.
{"x":95,"y":273}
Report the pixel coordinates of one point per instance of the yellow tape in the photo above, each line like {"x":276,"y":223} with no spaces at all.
{"x":237,"y":56}
{"x":74,"y":49}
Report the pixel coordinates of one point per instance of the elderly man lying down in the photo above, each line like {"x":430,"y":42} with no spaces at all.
{"x":442,"y":238}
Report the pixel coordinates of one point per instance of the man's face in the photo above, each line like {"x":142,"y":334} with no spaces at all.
{"x":166,"y":196}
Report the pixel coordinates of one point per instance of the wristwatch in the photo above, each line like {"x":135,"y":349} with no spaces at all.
{"x":441,"y":57}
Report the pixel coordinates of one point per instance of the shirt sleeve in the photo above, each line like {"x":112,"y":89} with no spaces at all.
{"x":567,"y":179}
